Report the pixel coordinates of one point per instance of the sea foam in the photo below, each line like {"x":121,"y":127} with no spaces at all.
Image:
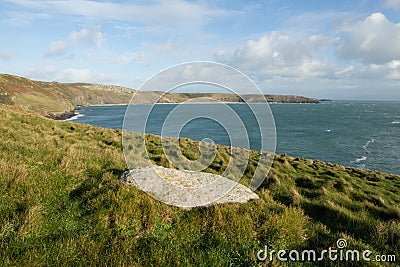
{"x":363,"y":158}
{"x":76,"y":116}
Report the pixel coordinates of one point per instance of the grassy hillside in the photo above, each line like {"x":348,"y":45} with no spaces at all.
{"x":53,"y":99}
{"x":61,"y":204}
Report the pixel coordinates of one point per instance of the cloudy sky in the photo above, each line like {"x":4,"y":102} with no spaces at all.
{"x":325,"y":49}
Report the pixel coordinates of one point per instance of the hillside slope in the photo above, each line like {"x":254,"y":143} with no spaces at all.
{"x":55,"y":99}
{"x":61,"y":203}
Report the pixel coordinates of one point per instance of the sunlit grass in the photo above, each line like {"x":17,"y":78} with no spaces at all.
{"x":61,"y":203}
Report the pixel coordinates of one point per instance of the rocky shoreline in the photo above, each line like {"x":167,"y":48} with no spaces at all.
{"x":62,"y":116}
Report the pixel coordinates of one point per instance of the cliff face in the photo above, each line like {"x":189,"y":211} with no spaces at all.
{"x":281,"y":99}
{"x":54,"y":99}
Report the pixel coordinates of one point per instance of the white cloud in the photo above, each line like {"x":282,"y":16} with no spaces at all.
{"x":201,"y":75}
{"x":394,"y":4}
{"x":50,"y":73}
{"x":166,"y":47}
{"x":374,"y":40}
{"x":149,"y":52}
{"x":5,"y":55}
{"x":71,"y":74}
{"x":58,"y":48}
{"x":132,"y":57}
{"x":387,"y":71}
{"x":19,"y":18}
{"x":91,"y":36}
{"x":394,"y":70}
{"x":280,"y":55}
{"x":312,"y":22}
{"x":166,"y":13}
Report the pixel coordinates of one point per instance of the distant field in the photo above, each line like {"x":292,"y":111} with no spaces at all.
{"x":61,"y":203}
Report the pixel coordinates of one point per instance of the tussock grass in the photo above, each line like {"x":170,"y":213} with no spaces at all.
{"x":61,"y":204}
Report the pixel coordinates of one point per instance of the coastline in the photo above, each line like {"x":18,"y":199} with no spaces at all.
{"x":72,"y":115}
{"x":105,"y":105}
{"x":191,"y":102}
{"x":61,"y":116}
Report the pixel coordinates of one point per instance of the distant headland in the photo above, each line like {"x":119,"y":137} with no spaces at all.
{"x":60,"y":100}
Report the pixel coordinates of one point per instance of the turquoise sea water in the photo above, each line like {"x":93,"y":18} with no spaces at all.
{"x":359,"y":134}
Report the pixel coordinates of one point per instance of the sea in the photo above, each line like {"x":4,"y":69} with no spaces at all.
{"x":358,"y":134}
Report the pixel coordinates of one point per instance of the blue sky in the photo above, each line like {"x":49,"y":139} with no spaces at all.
{"x":324,"y":49}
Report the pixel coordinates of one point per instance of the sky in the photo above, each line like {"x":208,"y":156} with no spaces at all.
{"x":323,"y":49}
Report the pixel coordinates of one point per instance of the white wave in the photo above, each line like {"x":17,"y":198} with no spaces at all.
{"x":395,"y":122}
{"x":363,"y":158}
{"x":76,"y":116}
{"x":367,"y":144}
{"x":328,"y":130}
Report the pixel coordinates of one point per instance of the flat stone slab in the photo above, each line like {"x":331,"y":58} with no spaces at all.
{"x":187,"y":189}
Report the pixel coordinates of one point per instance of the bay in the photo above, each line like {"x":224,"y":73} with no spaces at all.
{"x":359,"y":134}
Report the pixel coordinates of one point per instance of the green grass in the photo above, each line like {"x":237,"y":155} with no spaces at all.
{"x":61,"y":204}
